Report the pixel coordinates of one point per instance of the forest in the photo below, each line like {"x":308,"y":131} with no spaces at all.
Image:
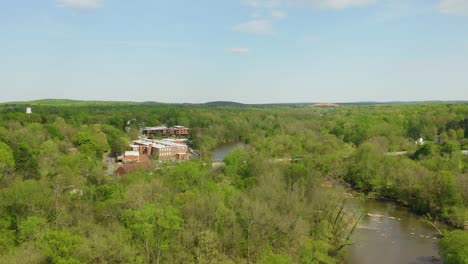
{"x":59,"y":204}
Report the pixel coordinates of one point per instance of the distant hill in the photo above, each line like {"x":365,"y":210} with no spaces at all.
{"x":70,"y":102}
{"x":225,"y":103}
{"x":402,"y":102}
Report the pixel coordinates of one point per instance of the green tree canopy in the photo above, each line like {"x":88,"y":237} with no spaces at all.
{"x":454,"y":247}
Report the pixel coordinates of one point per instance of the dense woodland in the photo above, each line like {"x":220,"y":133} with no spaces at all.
{"x":58,"y":203}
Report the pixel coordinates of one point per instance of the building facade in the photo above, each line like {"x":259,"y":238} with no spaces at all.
{"x":165,"y":149}
{"x":160,"y":130}
{"x":179,"y":131}
{"x":164,"y":131}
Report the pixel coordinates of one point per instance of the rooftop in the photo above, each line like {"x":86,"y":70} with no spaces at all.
{"x":132,"y":153}
{"x":165,"y":143}
{"x":145,"y":142}
{"x":155,"y":128}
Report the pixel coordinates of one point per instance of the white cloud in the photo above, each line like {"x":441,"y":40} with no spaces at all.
{"x":268,"y":11}
{"x":83,"y":4}
{"x":278,"y":14}
{"x":263,"y":3}
{"x":238,"y":50}
{"x":454,"y":7}
{"x":329,"y":4}
{"x":251,"y":3}
{"x":256,"y":15}
{"x":142,"y":43}
{"x":259,"y":26}
{"x":335,"y":4}
{"x":311,"y":38}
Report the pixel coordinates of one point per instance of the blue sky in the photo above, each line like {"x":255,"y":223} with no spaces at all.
{"x":251,"y":51}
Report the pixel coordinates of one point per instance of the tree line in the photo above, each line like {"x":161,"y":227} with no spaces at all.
{"x":58,"y":204}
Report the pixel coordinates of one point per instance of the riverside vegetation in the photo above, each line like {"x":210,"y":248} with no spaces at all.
{"x":58,"y":205}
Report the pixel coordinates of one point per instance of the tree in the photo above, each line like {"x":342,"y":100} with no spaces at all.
{"x":460,"y":133}
{"x":465,"y":127}
{"x":7,"y":234}
{"x":54,"y":131}
{"x":188,"y":175}
{"x":294,"y":173}
{"x":443,"y":137}
{"x":153,"y":227}
{"x":26,"y":163}
{"x":118,"y":144}
{"x":275,"y":259}
{"x":109,"y":243}
{"x":61,"y":247}
{"x":449,"y":147}
{"x":32,"y":228}
{"x":426,"y":150}
{"x":452,"y":134}
{"x":365,"y":170}
{"x":91,"y":140}
{"x":24,"y":199}
{"x":316,"y":250}
{"x":454,"y":247}
{"x":7,"y":161}
{"x":239,"y":168}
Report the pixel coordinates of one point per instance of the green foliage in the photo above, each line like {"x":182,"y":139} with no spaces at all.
{"x":295,"y":173}
{"x":449,"y":147}
{"x":26,"y":162}
{"x":7,"y":161}
{"x":54,"y":131}
{"x":426,"y":150}
{"x":239,"y":168}
{"x":153,"y":227}
{"x":109,"y":192}
{"x":76,"y":169}
{"x":32,"y":228}
{"x":3,"y":134}
{"x":258,"y":208}
{"x":61,"y":247}
{"x":91,"y":140}
{"x":365,"y":167}
{"x":7,"y":235}
{"x":316,"y":252}
{"x":117,"y":142}
{"x":188,"y":175}
{"x":24,"y":199}
{"x":454,"y":247}
{"x":276,"y":259}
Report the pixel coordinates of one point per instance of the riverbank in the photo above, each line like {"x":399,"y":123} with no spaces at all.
{"x":387,"y":233}
{"x":439,"y":226}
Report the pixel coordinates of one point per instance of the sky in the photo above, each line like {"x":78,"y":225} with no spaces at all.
{"x":250,"y":51}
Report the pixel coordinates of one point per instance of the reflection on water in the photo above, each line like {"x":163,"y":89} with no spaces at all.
{"x":221,"y":151}
{"x":390,"y":234}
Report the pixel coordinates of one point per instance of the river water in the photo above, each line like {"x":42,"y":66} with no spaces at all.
{"x":390,"y":234}
{"x":221,"y":151}
{"x":387,"y":234}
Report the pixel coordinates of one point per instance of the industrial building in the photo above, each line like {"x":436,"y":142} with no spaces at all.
{"x":165,"y":131}
{"x":165,"y":149}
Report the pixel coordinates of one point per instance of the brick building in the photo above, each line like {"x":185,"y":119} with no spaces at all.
{"x":166,"y":149}
{"x":179,"y":131}
{"x":164,"y":131}
{"x":158,"y":131}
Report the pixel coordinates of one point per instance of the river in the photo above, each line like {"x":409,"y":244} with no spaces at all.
{"x":387,"y":234}
{"x":390,"y":234}
{"x":222,"y":150}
